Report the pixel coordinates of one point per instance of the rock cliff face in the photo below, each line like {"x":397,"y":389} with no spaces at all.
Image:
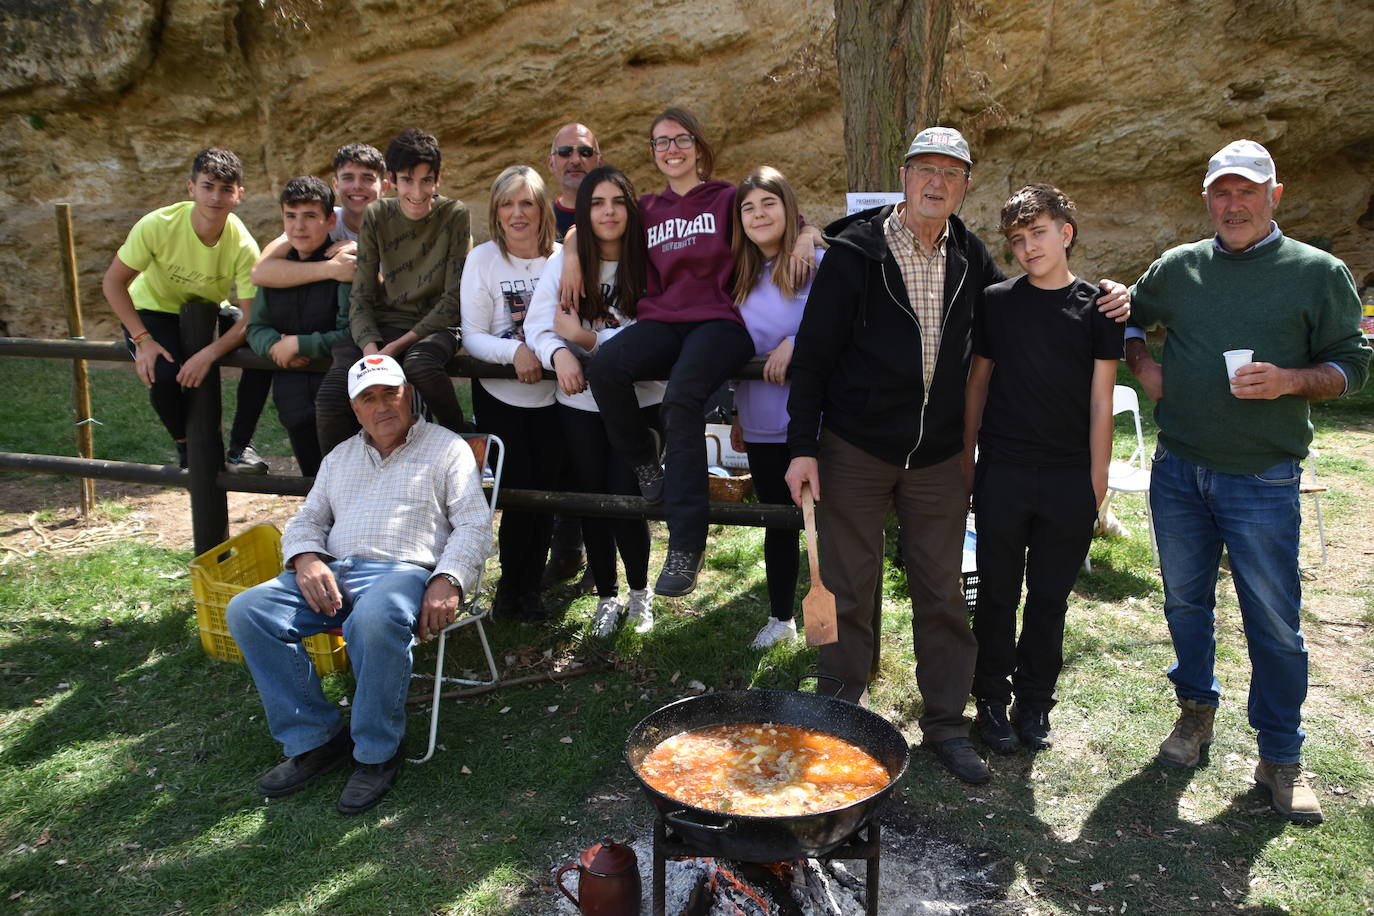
{"x":104,"y":103}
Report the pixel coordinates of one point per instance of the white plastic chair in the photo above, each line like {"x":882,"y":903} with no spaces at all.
{"x":481,"y":444}
{"x":1131,"y":475}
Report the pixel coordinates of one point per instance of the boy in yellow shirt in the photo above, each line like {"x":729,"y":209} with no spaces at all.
{"x":191,"y":251}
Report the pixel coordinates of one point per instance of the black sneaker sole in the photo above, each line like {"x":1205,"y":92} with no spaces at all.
{"x":670,"y":592}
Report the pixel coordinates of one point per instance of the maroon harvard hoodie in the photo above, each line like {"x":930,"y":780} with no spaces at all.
{"x":690,"y":264}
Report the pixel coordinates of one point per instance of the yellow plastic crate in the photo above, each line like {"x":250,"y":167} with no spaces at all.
{"x":239,"y":563}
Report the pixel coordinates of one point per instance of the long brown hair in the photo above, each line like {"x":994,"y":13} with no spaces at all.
{"x":634,"y":256}
{"x":706,"y":157}
{"x":749,"y":260}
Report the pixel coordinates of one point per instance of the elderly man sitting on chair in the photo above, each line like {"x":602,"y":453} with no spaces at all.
{"x":393,"y":532}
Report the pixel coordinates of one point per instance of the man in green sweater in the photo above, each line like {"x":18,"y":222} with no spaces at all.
{"x":1226,"y":469}
{"x":404,"y":301}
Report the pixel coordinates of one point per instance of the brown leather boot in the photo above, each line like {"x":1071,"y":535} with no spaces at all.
{"x":1289,"y":793}
{"x":1192,"y":732}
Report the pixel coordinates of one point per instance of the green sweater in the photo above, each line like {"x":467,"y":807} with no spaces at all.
{"x":422,"y":263}
{"x":1293,"y":304}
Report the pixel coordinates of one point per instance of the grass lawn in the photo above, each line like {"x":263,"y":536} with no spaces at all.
{"x":128,"y":758}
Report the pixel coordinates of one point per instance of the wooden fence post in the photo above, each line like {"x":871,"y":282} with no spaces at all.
{"x":85,"y":442}
{"x":204,"y":440}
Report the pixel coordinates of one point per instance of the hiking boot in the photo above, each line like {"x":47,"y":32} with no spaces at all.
{"x":774,"y":632}
{"x":607,"y":616}
{"x":995,"y":728}
{"x":650,"y":480}
{"x":959,"y":757}
{"x":561,"y":568}
{"x":1033,"y":727}
{"x":244,"y":460}
{"x":1192,"y":732}
{"x":295,"y":773}
{"x":369,"y":782}
{"x":639,"y":613}
{"x":1289,"y":793}
{"x":679,"y":574}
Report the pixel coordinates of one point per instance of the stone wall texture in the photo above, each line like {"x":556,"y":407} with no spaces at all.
{"x":103,"y":104}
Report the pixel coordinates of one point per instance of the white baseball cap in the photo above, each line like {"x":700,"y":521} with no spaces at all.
{"x":1245,"y":158}
{"x":374,"y":370}
{"x":944,"y":141}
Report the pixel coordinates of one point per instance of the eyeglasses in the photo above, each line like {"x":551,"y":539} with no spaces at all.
{"x":586,"y":152}
{"x":681,"y":141}
{"x":952,"y":173}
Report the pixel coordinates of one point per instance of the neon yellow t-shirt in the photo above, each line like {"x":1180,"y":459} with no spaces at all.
{"x":175,"y":267}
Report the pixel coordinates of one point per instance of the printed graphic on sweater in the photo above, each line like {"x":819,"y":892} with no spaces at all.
{"x":679,"y":233}
{"x":517,"y":295}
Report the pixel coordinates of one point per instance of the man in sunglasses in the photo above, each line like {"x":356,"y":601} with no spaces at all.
{"x":573,"y":154}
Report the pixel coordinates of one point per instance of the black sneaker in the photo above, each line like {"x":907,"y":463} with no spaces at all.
{"x":995,"y":728}
{"x":1033,"y":727}
{"x":369,"y":783}
{"x":679,"y":574}
{"x":959,"y":757}
{"x":245,"y":460}
{"x":295,"y":773}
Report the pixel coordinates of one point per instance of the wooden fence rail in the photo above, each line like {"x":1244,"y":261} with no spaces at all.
{"x":209,"y":484}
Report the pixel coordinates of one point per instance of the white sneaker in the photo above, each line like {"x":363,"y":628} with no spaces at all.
{"x":607,"y":616}
{"x":641,"y":610}
{"x":774,"y":632}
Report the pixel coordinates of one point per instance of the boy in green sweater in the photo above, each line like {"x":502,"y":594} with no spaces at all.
{"x":404,"y":301}
{"x":1226,"y":469}
{"x":296,"y":324}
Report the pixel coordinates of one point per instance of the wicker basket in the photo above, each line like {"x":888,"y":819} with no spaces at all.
{"x":732,"y":489}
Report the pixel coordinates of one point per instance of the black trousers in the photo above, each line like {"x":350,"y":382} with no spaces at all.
{"x":534,"y":448}
{"x":169,"y":399}
{"x":424,"y":365}
{"x":1036,"y":522}
{"x":595,"y":467}
{"x":768,"y":463}
{"x":696,"y":358}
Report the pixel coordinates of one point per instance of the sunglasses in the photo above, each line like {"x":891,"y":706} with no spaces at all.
{"x":586,"y":152}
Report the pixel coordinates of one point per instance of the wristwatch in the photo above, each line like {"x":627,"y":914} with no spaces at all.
{"x":452,"y":580}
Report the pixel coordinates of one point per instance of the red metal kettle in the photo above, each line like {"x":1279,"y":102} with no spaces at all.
{"x":607,"y":880}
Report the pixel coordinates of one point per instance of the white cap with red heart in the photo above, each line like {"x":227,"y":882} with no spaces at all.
{"x":374,"y":370}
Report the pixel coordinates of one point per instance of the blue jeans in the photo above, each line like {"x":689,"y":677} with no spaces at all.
{"x":381,"y":604}
{"x":1256,"y":516}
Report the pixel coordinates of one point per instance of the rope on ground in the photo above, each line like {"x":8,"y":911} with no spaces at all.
{"x":82,"y":540}
{"x":511,"y":682}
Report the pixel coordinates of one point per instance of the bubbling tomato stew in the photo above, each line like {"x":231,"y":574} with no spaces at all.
{"x":762,"y":769}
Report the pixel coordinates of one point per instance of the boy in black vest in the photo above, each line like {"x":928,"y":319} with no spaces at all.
{"x":296,"y":324}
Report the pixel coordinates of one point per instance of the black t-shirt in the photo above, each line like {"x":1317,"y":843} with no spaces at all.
{"x":1043,"y":343}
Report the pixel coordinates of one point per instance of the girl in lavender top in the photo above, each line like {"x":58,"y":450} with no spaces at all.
{"x":766,"y":224}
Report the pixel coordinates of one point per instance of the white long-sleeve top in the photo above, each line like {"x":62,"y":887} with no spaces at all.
{"x":496,"y":294}
{"x":541,"y":337}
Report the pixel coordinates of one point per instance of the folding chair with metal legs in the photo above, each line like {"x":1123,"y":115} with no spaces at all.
{"x":481,"y":444}
{"x":1131,"y":475}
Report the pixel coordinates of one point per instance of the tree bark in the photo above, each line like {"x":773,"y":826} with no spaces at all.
{"x":891,"y":59}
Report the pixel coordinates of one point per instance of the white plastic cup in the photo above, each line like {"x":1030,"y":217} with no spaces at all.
{"x":1234,"y":360}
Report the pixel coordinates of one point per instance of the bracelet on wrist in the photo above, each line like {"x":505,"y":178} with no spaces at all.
{"x":137,"y":339}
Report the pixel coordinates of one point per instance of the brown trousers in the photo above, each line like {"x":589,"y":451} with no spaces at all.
{"x":857,"y":490}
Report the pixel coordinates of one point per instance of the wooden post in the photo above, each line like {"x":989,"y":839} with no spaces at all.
{"x":204,"y":440}
{"x":85,"y":441}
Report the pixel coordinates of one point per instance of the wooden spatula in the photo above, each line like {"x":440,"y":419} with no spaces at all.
{"x":818,"y":607}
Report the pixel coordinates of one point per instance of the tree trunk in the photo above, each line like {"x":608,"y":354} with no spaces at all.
{"x":891,"y":58}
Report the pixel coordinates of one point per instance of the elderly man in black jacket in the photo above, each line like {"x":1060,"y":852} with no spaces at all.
{"x":876,"y":420}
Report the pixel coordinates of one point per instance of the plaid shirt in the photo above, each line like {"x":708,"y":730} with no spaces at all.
{"x":422,"y":504}
{"x":924,"y":276}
